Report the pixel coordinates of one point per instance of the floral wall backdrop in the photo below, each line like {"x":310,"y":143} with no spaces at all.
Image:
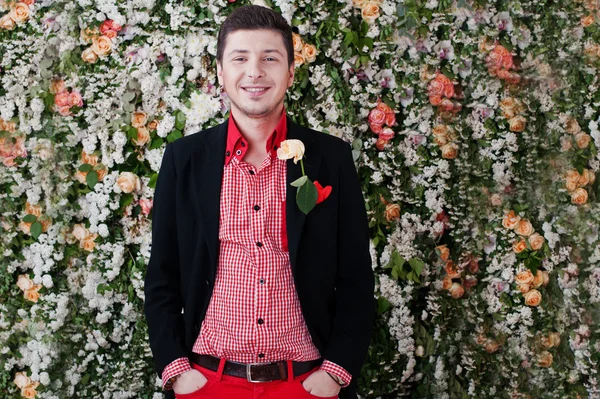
{"x":475,"y":131}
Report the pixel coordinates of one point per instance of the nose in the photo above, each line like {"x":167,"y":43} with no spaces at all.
{"x":254,"y":68}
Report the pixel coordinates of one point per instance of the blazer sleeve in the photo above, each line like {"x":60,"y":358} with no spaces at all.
{"x":354,"y":294}
{"x":163,"y":305}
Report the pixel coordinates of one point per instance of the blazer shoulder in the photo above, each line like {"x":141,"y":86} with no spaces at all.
{"x":183,"y":148}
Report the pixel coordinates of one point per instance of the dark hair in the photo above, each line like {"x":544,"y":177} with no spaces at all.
{"x":253,"y":17}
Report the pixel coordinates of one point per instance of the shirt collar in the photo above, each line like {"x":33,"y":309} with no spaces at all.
{"x":237,"y":145}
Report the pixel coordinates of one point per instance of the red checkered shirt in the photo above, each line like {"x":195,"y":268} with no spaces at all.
{"x":254,"y":315}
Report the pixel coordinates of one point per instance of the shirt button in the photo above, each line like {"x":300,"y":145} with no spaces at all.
{"x":228,"y":153}
{"x":261,"y":355}
{"x":262,"y":281}
{"x":238,"y":152}
{"x":251,"y":171}
{"x":259,"y":244}
{"x":260,"y":321}
{"x":256,"y":208}
{"x":243,"y":144}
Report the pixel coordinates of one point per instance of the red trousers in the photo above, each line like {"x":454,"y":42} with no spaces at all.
{"x":221,"y":386}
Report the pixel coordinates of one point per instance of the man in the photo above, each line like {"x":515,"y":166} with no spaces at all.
{"x":246,"y":296}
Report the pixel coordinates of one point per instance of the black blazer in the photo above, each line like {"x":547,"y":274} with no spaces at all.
{"x":329,"y":248}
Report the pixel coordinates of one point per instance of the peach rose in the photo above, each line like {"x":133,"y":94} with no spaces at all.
{"x":129,"y":182}
{"x":101,"y":171}
{"x":358,"y":3}
{"x":444,"y":252}
{"x":508,"y":106}
{"x":590,"y":175}
{"x":441,"y":134}
{"x":32,"y":293}
{"x":298,"y":59}
{"x":46,"y":221}
{"x":511,"y":219}
{"x":449,"y":151}
{"x":139,"y":119}
{"x":88,"y":34}
{"x":554,"y":339}
{"x":62,"y":99}
{"x":582,"y":139}
{"x":519,"y":245}
{"x":25,"y":227}
{"x":452,"y":270}
{"x":546,"y":278}
{"x":89,"y":56}
{"x":435,"y":100}
{"x":538,"y":280}
{"x":446,"y":283}
{"x":88,"y":243}
{"x":21,"y":380}
{"x":7,"y":23}
{"x":19,"y":12}
{"x":491,"y":346}
{"x":80,"y":177}
{"x":524,"y":288}
{"x":29,"y":391}
{"x":533,"y":298}
{"x":524,"y":277}
{"x":572,"y":180}
{"x":517,"y":123}
{"x":297,"y":42}
{"x":153,"y":124}
{"x":101,"y":45}
{"x":370,"y":12}
{"x":143,"y":136}
{"x":456,"y":290}
{"x":392,"y":212}
{"x":24,"y":282}
{"x":536,"y":241}
{"x":572,"y":127}
{"x":524,"y":228}
{"x":33,"y":209}
{"x":291,"y":149}
{"x":57,"y":86}
{"x":579,"y":196}
{"x":587,"y":20}
{"x":80,"y":232}
{"x":496,"y":199}
{"x":545,"y":359}
{"x":309,"y":52}
{"x":89,"y":158}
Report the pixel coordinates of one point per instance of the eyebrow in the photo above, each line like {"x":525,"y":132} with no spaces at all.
{"x":268,"y":51}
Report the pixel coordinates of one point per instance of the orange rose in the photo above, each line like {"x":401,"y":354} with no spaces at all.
{"x":370,"y":12}
{"x":536,"y":241}
{"x":46,"y":221}
{"x":143,"y":136}
{"x":89,"y":158}
{"x":519,"y":245}
{"x":508,"y":106}
{"x":88,"y":243}
{"x":525,"y":277}
{"x":572,"y":179}
{"x":524,"y":228}
{"x":589,"y":175}
{"x":533,"y":298}
{"x":582,"y":139}
{"x":139,"y":119}
{"x":511,"y":219}
{"x":546,"y":278}
{"x":452,"y":270}
{"x":33,"y":209}
{"x":446,"y":283}
{"x":441,"y":134}
{"x":524,"y":288}
{"x":309,"y":52}
{"x":392,"y":212}
{"x":554,"y":338}
{"x":101,"y":45}
{"x":153,"y":124}
{"x":101,"y":171}
{"x":538,"y":280}
{"x":456,"y":290}
{"x":298,"y":59}
{"x":579,"y":196}
{"x":517,"y":123}
{"x":444,"y":252}
{"x":587,"y":20}
{"x":449,"y":151}
{"x":29,"y":391}
{"x":297,"y":42}
{"x":32,"y":293}
{"x":545,"y":359}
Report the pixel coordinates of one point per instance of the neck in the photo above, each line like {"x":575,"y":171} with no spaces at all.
{"x":257,"y":130}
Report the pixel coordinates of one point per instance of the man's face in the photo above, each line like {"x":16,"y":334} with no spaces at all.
{"x":254,"y":72}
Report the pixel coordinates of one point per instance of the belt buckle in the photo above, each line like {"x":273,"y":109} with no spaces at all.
{"x":249,"y":371}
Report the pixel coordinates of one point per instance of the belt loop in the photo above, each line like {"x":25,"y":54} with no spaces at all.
{"x":220,"y":369}
{"x":290,"y":368}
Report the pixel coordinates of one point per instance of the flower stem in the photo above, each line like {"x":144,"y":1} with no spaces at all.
{"x":302,"y":166}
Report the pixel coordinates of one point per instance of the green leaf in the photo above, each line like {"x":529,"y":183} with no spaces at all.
{"x":398,"y":260}
{"x":128,"y":97}
{"x":91,"y":178}
{"x":36,"y":230}
{"x":153,"y":179}
{"x":132,"y":133}
{"x":125,"y":200}
{"x":30,"y":218}
{"x":396,"y":272}
{"x":85,"y":168}
{"x":306,"y":198}
{"x":180,"y":120}
{"x":299,"y":182}
{"x":383,"y":305}
{"x":417,"y":265}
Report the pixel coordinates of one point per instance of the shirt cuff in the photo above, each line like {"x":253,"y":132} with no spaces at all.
{"x":173,"y":369}
{"x":338,"y":371}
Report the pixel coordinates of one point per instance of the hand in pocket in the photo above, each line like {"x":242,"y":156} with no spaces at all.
{"x":190,"y":381}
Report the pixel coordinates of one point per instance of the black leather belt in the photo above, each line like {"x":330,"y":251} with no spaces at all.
{"x":255,"y":372}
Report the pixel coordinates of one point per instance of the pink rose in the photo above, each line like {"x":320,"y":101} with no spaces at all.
{"x":376,"y":128}
{"x":146,"y":205}
{"x":376,"y":117}
{"x":436,"y":88}
{"x":386,"y":134}
{"x":75,"y":99}
{"x":62,"y":99}
{"x":65,"y":111}
{"x":390,"y":119}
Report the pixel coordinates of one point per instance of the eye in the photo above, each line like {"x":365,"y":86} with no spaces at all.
{"x":239,"y":59}
{"x":271,"y":59}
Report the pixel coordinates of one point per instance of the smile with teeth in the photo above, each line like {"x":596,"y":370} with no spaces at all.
{"x":255,"y":89}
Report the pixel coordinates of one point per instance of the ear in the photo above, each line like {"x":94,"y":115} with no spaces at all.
{"x":291,"y":72}
{"x":220,"y":73}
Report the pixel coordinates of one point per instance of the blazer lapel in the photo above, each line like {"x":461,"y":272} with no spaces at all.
{"x":207,"y":170}
{"x":295,"y":218}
